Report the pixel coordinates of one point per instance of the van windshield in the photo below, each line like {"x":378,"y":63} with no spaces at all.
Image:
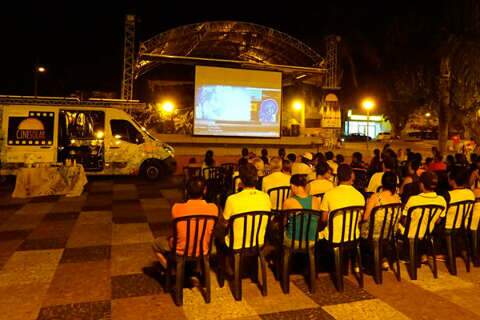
{"x":144,"y":129}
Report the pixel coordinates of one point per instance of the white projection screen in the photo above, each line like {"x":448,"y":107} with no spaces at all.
{"x":237,"y":102}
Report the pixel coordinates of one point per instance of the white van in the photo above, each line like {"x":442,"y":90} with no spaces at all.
{"x":105,"y":140}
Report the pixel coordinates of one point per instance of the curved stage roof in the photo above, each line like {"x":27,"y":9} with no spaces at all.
{"x":228,"y":41}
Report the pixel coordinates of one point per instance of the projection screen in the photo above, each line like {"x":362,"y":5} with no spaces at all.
{"x":237,"y":102}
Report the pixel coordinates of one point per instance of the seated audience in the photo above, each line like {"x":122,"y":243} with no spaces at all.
{"x":260,"y":166}
{"x":323,"y":182}
{"x":300,"y":199}
{"x":281,"y":153}
{"x":375,"y":163}
{"x":376,"y":180}
{"x":319,"y":157}
{"x":245,"y":153}
{"x":450,"y":162}
{"x":339,"y":159}
{"x":238,"y":183}
{"x":292,"y":157}
{"x":361,"y":174}
{"x":305,"y":166}
{"x":457,"y":179}
{"x":247,"y":200}
{"x":275,"y":179}
{"x":342,"y":196}
{"x":208,"y":162}
{"x":428,"y":196}
{"x":331,"y":163}
{"x":264,"y":156}
{"x":387,"y":195}
{"x":474,"y":178}
{"x":286,"y":167}
{"x":437,"y":164}
{"x":411,"y":182}
{"x":194,"y":206}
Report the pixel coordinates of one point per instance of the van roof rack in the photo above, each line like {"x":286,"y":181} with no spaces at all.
{"x":128,"y":105}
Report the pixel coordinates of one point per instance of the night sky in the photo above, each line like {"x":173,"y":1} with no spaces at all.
{"x":80,"y":42}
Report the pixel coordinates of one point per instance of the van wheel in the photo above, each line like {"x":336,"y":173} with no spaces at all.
{"x":153,"y":171}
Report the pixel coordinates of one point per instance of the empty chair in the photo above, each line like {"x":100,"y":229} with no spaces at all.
{"x":278,"y":196}
{"x":197,"y":232}
{"x":420,"y":222}
{"x":189,"y":173}
{"x":382,"y":226}
{"x":457,"y":217}
{"x":228,"y":167}
{"x":344,"y":234}
{"x":249,"y":242}
{"x":227,"y":171}
{"x":214,"y":182}
{"x":299,"y":235}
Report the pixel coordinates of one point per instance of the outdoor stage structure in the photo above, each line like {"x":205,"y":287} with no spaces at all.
{"x":164,"y":68}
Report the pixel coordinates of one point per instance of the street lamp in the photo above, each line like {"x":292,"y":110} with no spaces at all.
{"x":368,"y":104}
{"x":297,"y":105}
{"x":37,"y":71}
{"x":168,"y":107}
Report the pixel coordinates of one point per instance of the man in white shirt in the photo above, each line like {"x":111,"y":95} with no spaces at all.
{"x":457,"y":179}
{"x":275,"y":179}
{"x":323,"y":182}
{"x":376,"y":179}
{"x":305,"y":166}
{"x":333,"y":165}
{"x":428,"y":184}
{"x":247,"y":200}
{"x":345,"y":195}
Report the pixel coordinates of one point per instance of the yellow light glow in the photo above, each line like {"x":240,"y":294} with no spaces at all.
{"x":117,"y":136}
{"x":368,"y":104}
{"x":99,"y":134}
{"x":168,"y":106}
{"x":41,"y":69}
{"x":297,"y":105}
{"x":428,"y":114}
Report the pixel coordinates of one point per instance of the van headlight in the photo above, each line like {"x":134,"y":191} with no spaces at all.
{"x":168,"y":148}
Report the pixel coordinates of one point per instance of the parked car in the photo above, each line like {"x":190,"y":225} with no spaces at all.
{"x":413,"y":136}
{"x":355,"y":137}
{"x":384,"y":136}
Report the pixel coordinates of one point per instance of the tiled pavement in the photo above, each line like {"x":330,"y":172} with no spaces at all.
{"x":90,"y":258}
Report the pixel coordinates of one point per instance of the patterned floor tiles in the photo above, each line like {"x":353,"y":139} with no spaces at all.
{"x":152,"y":307}
{"x":276,"y":301}
{"x":26,"y":267}
{"x":131,"y":233}
{"x":135,"y":285}
{"x":90,"y":257}
{"x":414,"y":301}
{"x":85,"y":235}
{"x":223,"y":305}
{"x":22,"y":301}
{"x":371,"y":309}
{"x":131,"y":258}
{"x":79,"y":282}
{"x":87,"y":310}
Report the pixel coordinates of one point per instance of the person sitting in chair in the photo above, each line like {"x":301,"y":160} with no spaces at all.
{"x":342,"y":196}
{"x":248,"y":200}
{"x":301,"y":200}
{"x":195,"y":205}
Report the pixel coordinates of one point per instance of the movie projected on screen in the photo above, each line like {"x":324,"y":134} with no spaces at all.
{"x":237,"y":102}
